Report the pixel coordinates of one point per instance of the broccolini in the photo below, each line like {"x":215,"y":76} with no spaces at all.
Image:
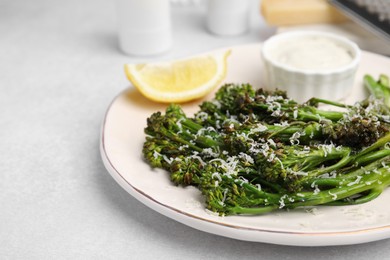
{"x":255,"y":151}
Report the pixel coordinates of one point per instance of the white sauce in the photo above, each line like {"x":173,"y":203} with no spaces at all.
{"x":311,"y":53}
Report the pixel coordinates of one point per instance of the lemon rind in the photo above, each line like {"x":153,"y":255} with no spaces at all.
{"x":185,"y":96}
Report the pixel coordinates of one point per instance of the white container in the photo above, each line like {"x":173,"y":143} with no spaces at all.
{"x":144,"y":26}
{"x":310,"y":64}
{"x":228,"y":17}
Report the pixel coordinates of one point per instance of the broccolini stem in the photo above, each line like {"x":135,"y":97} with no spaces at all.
{"x":313,"y":174}
{"x":380,"y":143}
{"x":310,"y":131}
{"x":379,"y":89}
{"x":315,"y":101}
{"x":377,"y":181}
{"x":252,"y":189}
{"x":371,"y":157}
{"x":366,"y":156}
{"x":373,"y":86}
{"x":238,"y":210}
{"x":384,"y":80}
{"x":318,"y":115}
{"x":177,"y":138}
{"x":342,"y":178}
{"x":372,"y":194}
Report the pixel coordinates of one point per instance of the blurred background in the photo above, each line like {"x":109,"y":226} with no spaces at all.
{"x":60,"y":68}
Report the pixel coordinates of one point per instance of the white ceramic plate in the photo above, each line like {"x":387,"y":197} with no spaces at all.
{"x":121,"y":144}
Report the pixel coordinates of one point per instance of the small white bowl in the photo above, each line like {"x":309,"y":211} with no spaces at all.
{"x":309,"y":69}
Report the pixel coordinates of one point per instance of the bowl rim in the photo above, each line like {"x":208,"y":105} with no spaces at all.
{"x":286,"y":35}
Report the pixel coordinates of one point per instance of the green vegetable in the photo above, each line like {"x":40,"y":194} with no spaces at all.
{"x":379,"y":89}
{"x":252,"y":152}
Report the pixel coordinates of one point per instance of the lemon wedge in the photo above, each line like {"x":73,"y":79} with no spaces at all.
{"x":180,"y":80}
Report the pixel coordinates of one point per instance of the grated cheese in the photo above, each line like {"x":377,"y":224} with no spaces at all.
{"x":281,"y":201}
{"x":334,"y":196}
{"x":216,"y":175}
{"x":358,"y":178}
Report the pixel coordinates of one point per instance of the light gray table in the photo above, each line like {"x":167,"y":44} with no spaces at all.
{"x":59,"y":69}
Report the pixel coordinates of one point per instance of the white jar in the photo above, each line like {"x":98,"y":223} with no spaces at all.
{"x":228,"y":17}
{"x":144,"y":26}
{"x":321,"y":72}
